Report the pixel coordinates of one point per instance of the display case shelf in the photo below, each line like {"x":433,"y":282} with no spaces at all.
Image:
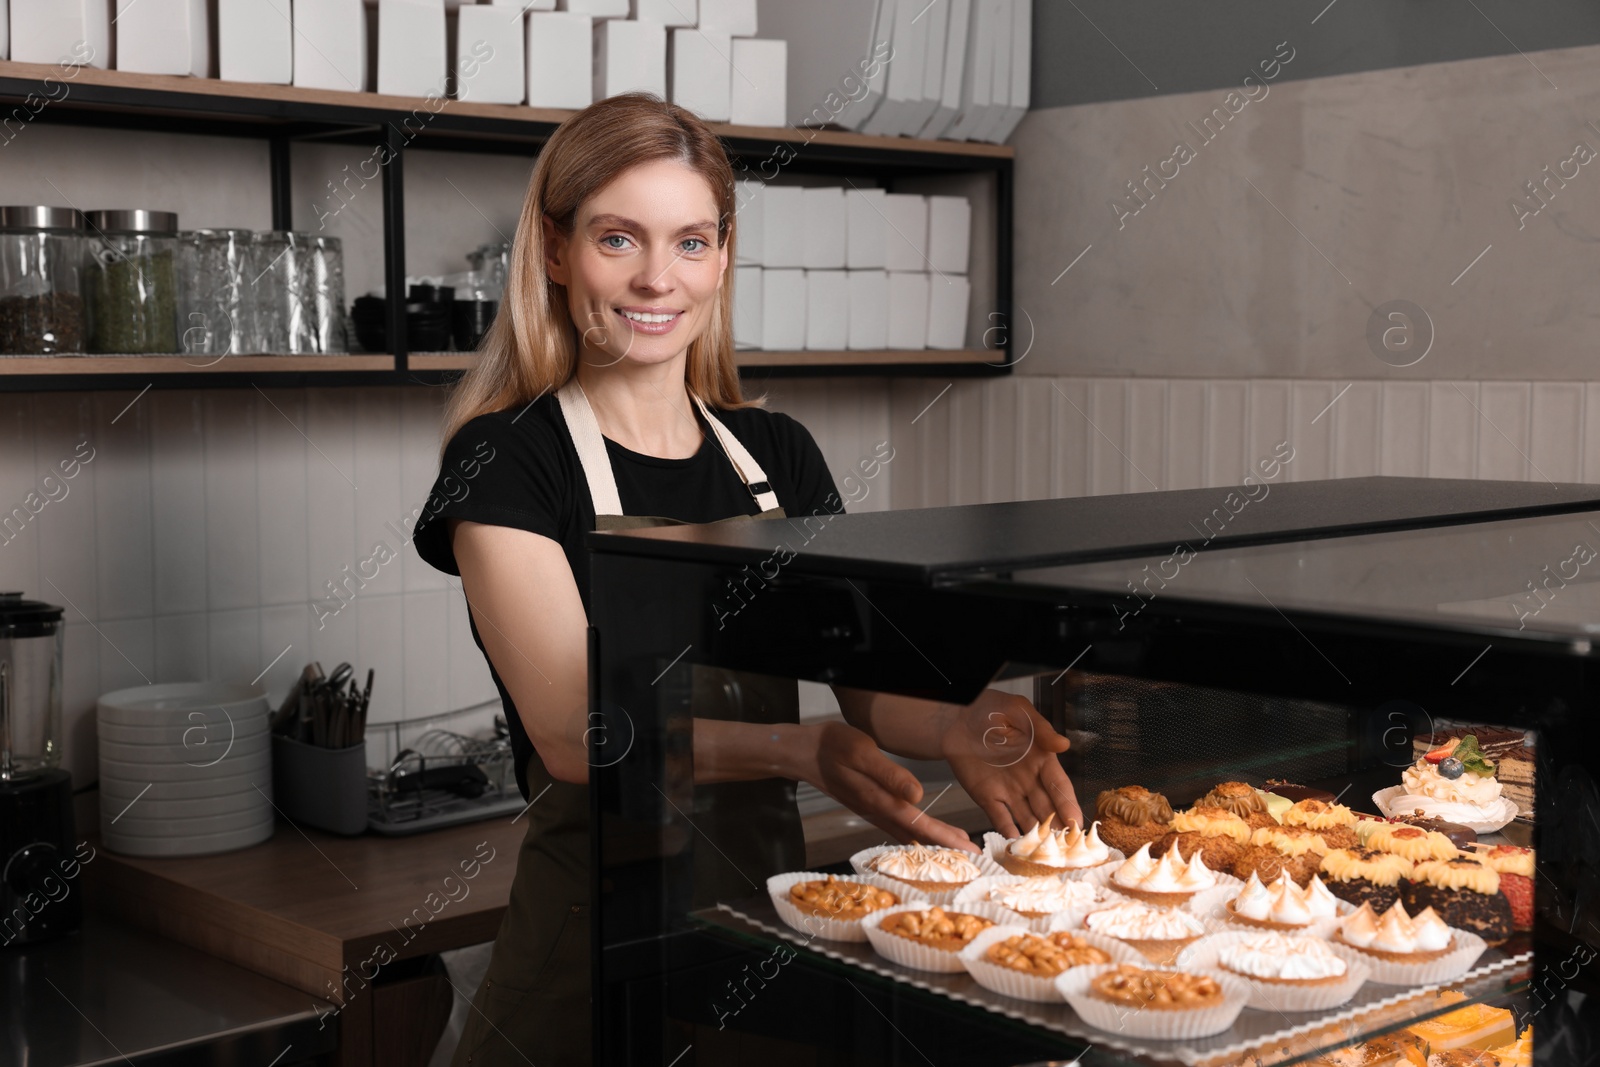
{"x":1499,"y":976}
{"x":1325,"y":629}
{"x":282,"y":115}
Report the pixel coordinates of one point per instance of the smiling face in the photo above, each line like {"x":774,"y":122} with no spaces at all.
{"x":642,"y":266}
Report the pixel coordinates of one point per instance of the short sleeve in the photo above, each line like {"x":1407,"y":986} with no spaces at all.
{"x":498,"y":472}
{"x":808,"y":471}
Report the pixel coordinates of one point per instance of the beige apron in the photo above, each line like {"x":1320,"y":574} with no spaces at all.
{"x":534,"y":1004}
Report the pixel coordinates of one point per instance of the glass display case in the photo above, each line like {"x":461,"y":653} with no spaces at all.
{"x":1338,"y":635}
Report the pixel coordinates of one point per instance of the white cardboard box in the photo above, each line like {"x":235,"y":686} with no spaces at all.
{"x":163,"y":37}
{"x":747,"y":307}
{"x":330,"y":44}
{"x":523,"y":6}
{"x":902,"y":88}
{"x":906,"y":223}
{"x":411,"y":47}
{"x":783,"y":226}
{"x":759,"y":86}
{"x":666,"y":12}
{"x":57,"y":31}
{"x":938,"y":17}
{"x":598,"y":9}
{"x":750,"y":212}
{"x":827,"y":310}
{"x":955,"y":62}
{"x":491,"y":55}
{"x":866,"y":233}
{"x":735,"y":17}
{"x":699,"y":71}
{"x":949,"y":233}
{"x":255,"y":42}
{"x":629,"y":57}
{"x":783,"y":310}
{"x":977,"y":78}
{"x":831,"y":55}
{"x":560,"y":59}
{"x":948,"y":300}
{"x":869,"y":309}
{"x":1021,"y":69}
{"x":908,"y":309}
{"x":825,"y":228}
{"x":1000,"y":86}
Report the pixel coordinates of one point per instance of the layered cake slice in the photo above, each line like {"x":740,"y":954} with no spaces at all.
{"x":1511,"y":751}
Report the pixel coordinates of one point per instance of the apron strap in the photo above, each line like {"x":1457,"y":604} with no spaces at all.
{"x":596,"y":463}
{"x":744,"y":464}
{"x":591,"y":446}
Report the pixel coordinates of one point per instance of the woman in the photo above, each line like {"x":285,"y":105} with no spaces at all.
{"x":606,"y":396}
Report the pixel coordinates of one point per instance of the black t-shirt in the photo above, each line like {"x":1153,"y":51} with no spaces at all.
{"x":518,"y":468}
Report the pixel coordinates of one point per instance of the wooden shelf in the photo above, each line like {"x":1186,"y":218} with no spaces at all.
{"x":179,"y":96}
{"x":886,"y":357}
{"x":34,"y":365}
{"x":454,"y":361}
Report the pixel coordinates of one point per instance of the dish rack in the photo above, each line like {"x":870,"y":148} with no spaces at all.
{"x":443,"y":779}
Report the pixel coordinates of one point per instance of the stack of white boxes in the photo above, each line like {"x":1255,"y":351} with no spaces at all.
{"x":831,"y":269}
{"x":701,"y":54}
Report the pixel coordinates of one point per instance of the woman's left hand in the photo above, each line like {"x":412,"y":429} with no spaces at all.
{"x":1004,"y":754}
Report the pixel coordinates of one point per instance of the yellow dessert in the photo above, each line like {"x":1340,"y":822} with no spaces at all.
{"x":1477,"y":1025}
{"x":1517,"y":1054}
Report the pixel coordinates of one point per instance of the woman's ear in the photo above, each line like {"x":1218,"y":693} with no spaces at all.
{"x":555,"y":251}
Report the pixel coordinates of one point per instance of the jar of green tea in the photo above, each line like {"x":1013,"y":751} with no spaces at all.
{"x":132,"y":282}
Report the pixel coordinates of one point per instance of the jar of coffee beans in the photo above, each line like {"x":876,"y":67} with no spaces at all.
{"x":42,"y":253}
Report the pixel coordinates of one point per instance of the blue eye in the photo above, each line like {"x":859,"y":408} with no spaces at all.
{"x":702,"y":246}
{"x":606,"y":241}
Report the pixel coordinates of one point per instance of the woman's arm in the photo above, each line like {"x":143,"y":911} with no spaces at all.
{"x":1003,"y":752}
{"x":525,"y":602}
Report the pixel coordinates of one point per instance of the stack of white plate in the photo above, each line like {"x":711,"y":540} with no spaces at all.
{"x":185,"y":768}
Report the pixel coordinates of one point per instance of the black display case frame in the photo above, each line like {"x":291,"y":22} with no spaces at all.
{"x":939,"y":603}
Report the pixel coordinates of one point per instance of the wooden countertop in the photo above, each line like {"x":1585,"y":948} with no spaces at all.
{"x":302,"y":906}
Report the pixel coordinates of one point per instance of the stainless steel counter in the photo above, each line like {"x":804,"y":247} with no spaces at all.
{"x":113,"y":994}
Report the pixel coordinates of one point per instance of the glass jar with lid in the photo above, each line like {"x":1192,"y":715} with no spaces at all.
{"x":300,"y":293}
{"x":41,"y":281}
{"x":132,"y":282}
{"x":217,"y":275}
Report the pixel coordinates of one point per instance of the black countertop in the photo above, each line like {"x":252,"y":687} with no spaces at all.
{"x":932,"y":542}
{"x":111,"y":994}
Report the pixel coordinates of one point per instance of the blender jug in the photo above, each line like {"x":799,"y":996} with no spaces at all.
{"x":39,"y":897}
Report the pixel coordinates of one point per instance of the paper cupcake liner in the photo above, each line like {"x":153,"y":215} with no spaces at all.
{"x":821,"y":926}
{"x":994,"y":847}
{"x":1205,"y":955}
{"x":908,"y":953}
{"x":1159,"y":1023}
{"x":1009,"y":983}
{"x":978,"y":892}
{"x":861,"y":861}
{"x":1446,"y":968}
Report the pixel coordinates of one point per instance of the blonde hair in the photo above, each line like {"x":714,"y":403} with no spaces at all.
{"x":532,"y":348}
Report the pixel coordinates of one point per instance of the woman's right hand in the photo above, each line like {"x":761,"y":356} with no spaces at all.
{"x":847,"y":765}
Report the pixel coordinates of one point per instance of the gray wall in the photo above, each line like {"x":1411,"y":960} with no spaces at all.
{"x":1094,"y":50}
